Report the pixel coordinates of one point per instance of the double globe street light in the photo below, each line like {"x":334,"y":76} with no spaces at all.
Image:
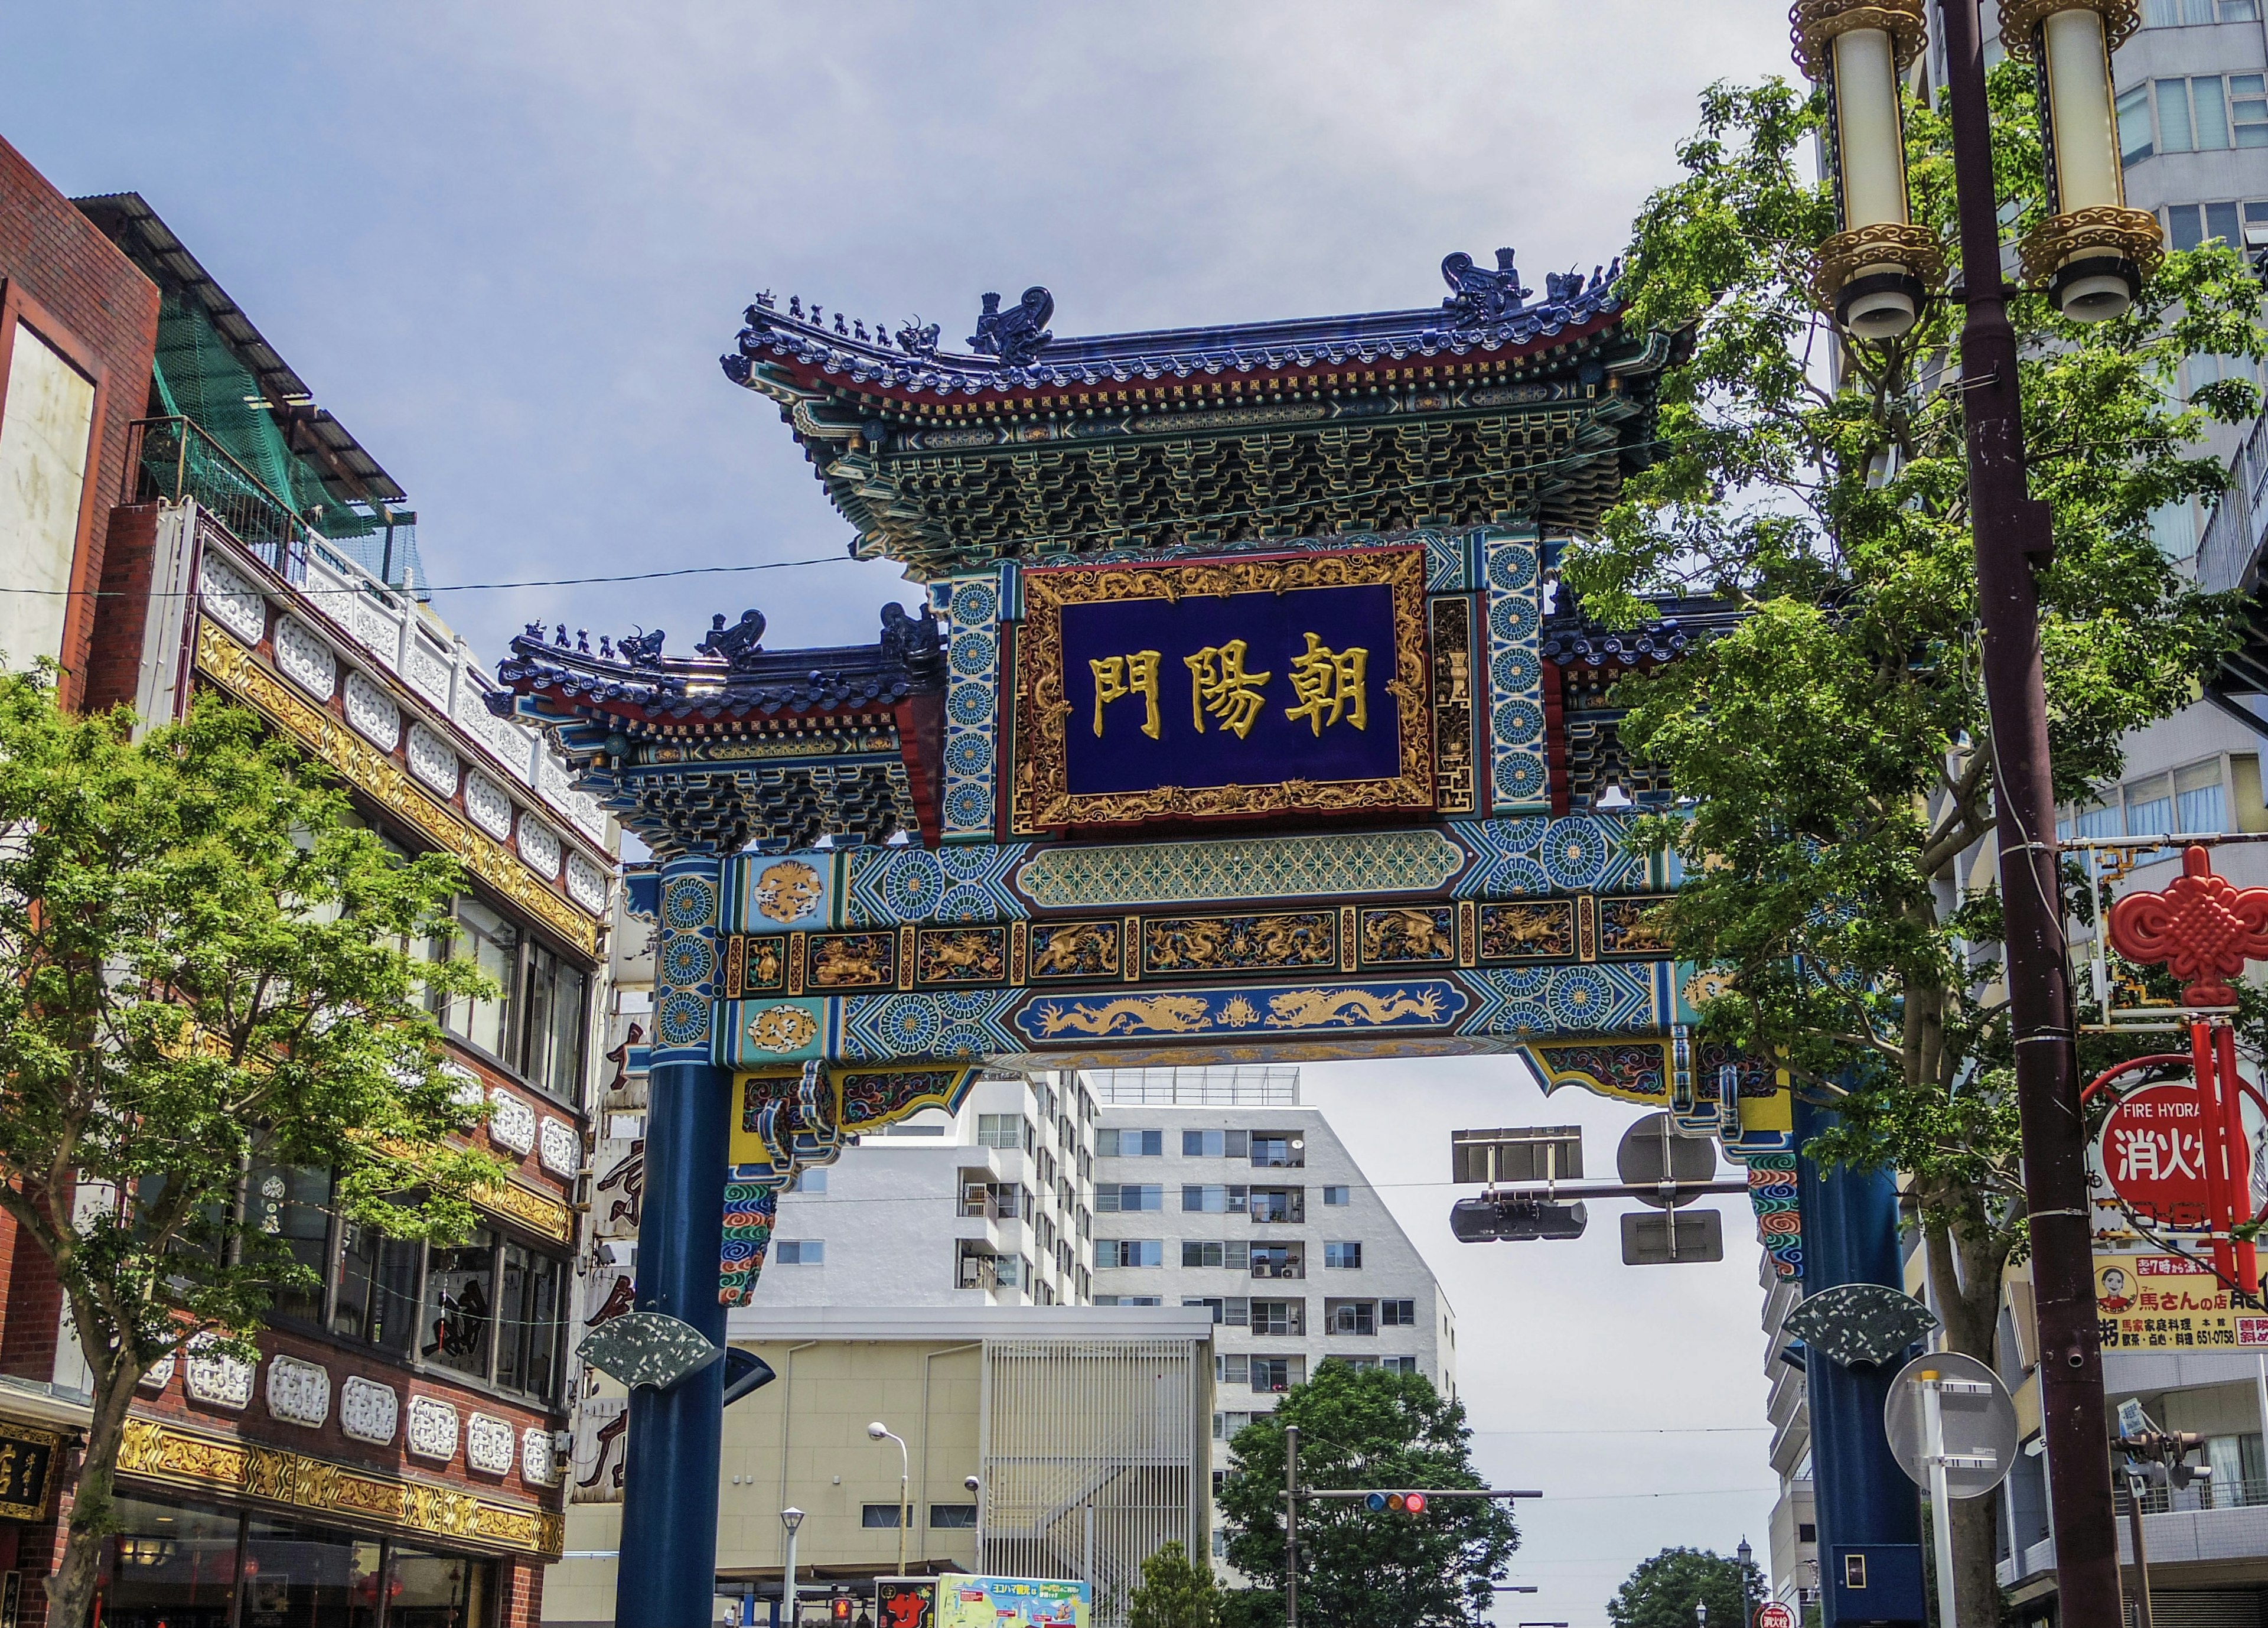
{"x":2092,"y":252}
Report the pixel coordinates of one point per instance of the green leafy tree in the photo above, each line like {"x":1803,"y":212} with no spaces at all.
{"x":1834,"y":744}
{"x":1360,"y":1568}
{"x":203,"y":966}
{"x":1175,"y":1592}
{"x":1663,"y":1591}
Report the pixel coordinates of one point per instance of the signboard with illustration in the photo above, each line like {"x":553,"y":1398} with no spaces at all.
{"x":1013,"y":1602}
{"x":2169,"y":1302}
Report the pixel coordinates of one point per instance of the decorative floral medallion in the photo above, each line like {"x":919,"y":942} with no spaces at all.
{"x":489,"y":1444}
{"x":486,"y":801}
{"x":586,"y":884}
{"x":431,"y":760}
{"x":432,"y":1429}
{"x":219,"y":1380}
{"x":368,"y":1411}
{"x":306,"y":659}
{"x":537,"y":1467}
{"x":562,"y":1148}
{"x":298,"y":1393}
{"x":512,"y":1125}
{"x":234,"y":603}
{"x":539,"y":846}
{"x":373,"y":712}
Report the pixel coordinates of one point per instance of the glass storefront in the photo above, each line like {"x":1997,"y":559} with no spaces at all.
{"x":191,"y":1565}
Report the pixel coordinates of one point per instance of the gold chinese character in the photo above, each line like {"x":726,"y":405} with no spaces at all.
{"x":1327,"y":678}
{"x":1117,"y":677}
{"x":1220,"y":685}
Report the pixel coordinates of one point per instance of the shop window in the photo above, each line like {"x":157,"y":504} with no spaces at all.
{"x":527,"y":1320}
{"x":440,"y":1591}
{"x":460,"y":1316}
{"x":296,"y":1574}
{"x":173,"y":1564}
{"x":374,"y":1298}
{"x":492,"y":944}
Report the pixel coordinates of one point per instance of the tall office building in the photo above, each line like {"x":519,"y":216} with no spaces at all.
{"x":1216,"y":1188}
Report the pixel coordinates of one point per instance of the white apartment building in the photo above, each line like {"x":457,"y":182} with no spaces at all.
{"x":1215,"y":1188}
{"x":993,"y":1205}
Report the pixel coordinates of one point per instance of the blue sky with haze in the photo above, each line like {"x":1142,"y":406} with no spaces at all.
{"x":505,"y":243}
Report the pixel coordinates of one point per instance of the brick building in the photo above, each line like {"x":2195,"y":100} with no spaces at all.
{"x":394,"y":1460}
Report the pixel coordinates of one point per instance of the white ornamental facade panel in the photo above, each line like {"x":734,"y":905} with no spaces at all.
{"x":489,"y":1445}
{"x":372,"y":711}
{"x":512,"y":1125}
{"x":368,"y":1411}
{"x":562,"y":1147}
{"x":219,"y":1380}
{"x":162,"y":1375}
{"x":538,"y":1465}
{"x":586,"y":883}
{"x":298,"y":1393}
{"x":432,"y":1429}
{"x":431,"y":760}
{"x":539,"y":846}
{"x":230,"y":600}
{"x":306,"y":661}
{"x":489,"y":805}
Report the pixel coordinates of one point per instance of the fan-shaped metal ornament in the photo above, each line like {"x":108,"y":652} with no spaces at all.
{"x":648,"y":1348}
{"x":1860,"y":1325}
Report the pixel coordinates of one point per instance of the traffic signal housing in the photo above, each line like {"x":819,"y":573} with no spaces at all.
{"x":1486,"y":1220}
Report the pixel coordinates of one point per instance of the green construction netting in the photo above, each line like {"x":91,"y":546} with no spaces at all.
{"x":199,"y":378}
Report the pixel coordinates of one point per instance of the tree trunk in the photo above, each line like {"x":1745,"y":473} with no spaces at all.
{"x":1964,"y":1274}
{"x":71,"y":1589}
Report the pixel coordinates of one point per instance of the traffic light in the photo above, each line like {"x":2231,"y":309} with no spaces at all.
{"x":1400,"y":1503}
{"x":838,"y":1609}
{"x":1482,"y":1220}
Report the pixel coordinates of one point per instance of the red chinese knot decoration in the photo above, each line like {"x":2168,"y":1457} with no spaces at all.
{"x":2204,"y":928}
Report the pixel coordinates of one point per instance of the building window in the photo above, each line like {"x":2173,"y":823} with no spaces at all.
{"x":1130,"y":1252}
{"x":292,"y":1206}
{"x":1345,"y":1257}
{"x":1000,"y":1131}
{"x":1399,"y":1364}
{"x":1287,"y":1318}
{"x":812,"y":1179}
{"x":883,"y":1515}
{"x":2136,"y":142}
{"x":1213,"y":1305}
{"x":1278,"y":1260}
{"x":1277,"y":1373}
{"x":799,"y":1252}
{"x":1128,"y":1300}
{"x":1287,"y":1205}
{"x":2206,"y":114}
{"x":1337,"y":1197}
{"x":1806,"y":1532}
{"x":556,"y":990}
{"x":374,"y":1292}
{"x":492,"y":944}
{"x":1110,"y":1143}
{"x":1201,"y":1144}
{"x":2189,"y":226}
{"x":1126,"y":1197}
{"x":1234,"y":1368}
{"x":1398,"y":1314}
{"x":1211,"y":1200}
{"x":953,"y":1517}
{"x":528,"y":1304}
{"x":1219,"y":1543}
{"x":460,"y":1306}
{"x":2188,"y":13}
{"x":1278,"y":1153}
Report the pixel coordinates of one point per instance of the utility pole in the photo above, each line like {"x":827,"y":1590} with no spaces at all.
{"x":1290,"y":1526}
{"x":2012,"y":537}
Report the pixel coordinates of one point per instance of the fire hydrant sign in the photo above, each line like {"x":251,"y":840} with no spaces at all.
{"x":2163,"y":1302}
{"x":2154,"y":1155}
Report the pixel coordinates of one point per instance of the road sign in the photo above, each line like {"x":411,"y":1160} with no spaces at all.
{"x":1773,"y":1614}
{"x":1654,"y":1151}
{"x":1673,"y":1239}
{"x":1978,"y":1423}
{"x":1521,"y":1153}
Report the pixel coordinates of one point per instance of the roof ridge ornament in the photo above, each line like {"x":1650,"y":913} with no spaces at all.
{"x":1017,"y":335}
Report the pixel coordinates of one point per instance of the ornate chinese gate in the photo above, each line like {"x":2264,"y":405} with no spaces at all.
{"x":1240,"y":722}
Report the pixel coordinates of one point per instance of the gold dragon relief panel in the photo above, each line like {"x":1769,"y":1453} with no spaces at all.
{"x":1066,"y":950}
{"x":1279,"y":942}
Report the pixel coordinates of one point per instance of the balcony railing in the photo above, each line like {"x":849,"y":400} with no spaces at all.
{"x":2232,"y":1494}
{"x":1279,"y":1269}
{"x":168,"y":459}
{"x":978,"y":1201}
{"x":1280,"y":1211}
{"x":2232,"y":535}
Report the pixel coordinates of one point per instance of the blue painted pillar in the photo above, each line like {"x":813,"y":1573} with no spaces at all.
{"x":1865,"y":1505}
{"x":666,"y":1577}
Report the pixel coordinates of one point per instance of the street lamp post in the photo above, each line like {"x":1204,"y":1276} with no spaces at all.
{"x":1747,"y":1556}
{"x":879,"y":1432}
{"x":2092,"y":252}
{"x":790,"y":1518}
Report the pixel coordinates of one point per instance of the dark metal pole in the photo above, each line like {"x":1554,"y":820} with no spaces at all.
{"x":2135,"y":1487}
{"x":2012,"y":532}
{"x":1290,"y":1526}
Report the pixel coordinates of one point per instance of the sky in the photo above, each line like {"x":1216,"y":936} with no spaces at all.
{"x":506,"y":243}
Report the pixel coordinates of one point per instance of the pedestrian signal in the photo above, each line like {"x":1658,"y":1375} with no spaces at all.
{"x":839,"y":1609}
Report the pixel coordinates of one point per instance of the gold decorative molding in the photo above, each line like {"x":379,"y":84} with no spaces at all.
{"x":186,"y":1458}
{"x":539,"y":1212}
{"x":2019,"y":21}
{"x":236,"y":670}
{"x":2131,"y":234}
{"x":1891,"y":243}
{"x":1816,"y":25}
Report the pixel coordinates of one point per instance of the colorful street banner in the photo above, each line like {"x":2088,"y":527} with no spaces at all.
{"x":1012,"y":1602}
